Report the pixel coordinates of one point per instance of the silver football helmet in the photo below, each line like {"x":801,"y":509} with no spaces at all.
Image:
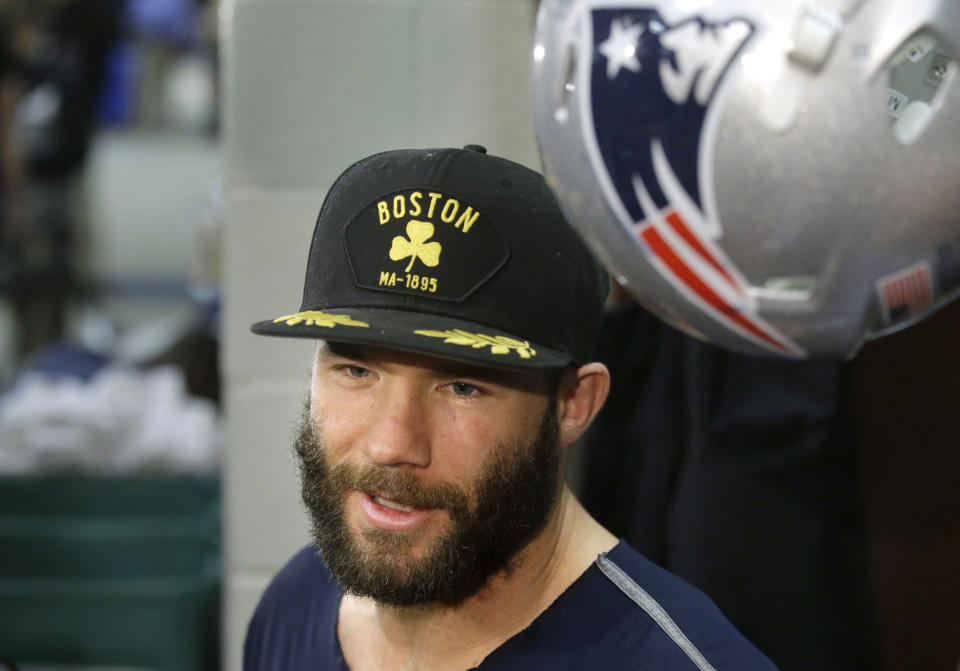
{"x":774,"y":177}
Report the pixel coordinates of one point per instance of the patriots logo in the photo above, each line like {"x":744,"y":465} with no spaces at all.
{"x":650,"y":123}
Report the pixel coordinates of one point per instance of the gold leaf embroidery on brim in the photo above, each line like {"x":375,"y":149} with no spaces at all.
{"x":497,"y":344}
{"x":317,"y":318}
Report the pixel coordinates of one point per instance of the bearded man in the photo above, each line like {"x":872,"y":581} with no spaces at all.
{"x":455,"y":313}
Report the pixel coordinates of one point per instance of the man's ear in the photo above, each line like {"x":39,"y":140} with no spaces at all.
{"x":582,"y":394}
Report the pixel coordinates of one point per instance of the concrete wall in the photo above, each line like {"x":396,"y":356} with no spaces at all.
{"x":311,"y":86}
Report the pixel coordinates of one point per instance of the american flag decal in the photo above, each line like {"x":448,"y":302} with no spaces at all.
{"x":905,"y":293}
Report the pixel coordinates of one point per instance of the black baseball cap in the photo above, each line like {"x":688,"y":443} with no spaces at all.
{"x":453,"y":253}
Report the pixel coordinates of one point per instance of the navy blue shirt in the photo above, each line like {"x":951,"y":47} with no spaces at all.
{"x":624,"y":612}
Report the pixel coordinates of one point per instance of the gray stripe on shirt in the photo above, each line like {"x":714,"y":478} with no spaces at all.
{"x":628,"y":586}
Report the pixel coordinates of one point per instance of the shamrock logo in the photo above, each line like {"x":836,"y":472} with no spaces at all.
{"x":417,"y":246}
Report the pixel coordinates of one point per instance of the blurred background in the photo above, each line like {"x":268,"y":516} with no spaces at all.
{"x":163,"y":162}
{"x":111,"y":205}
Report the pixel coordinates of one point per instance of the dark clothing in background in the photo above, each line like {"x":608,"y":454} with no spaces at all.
{"x":740,"y":475}
{"x":11,"y":169}
{"x":69,"y":65}
{"x":62,"y":73}
{"x":6,"y":46}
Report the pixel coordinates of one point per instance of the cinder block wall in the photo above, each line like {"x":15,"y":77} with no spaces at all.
{"x":309,"y":87}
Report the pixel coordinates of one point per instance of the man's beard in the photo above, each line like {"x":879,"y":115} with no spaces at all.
{"x":511,"y":503}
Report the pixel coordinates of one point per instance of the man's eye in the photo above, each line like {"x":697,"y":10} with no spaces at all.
{"x":464,"y":389}
{"x":356,"y":371}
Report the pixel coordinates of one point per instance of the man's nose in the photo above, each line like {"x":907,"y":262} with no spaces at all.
{"x":399,"y":429}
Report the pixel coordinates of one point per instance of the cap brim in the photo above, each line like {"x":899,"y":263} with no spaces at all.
{"x":430,"y":334}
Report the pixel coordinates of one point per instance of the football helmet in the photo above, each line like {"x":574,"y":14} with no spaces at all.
{"x":773,"y":177}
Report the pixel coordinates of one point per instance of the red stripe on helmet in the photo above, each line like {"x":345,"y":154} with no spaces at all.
{"x":693,"y":281}
{"x":680,"y":227}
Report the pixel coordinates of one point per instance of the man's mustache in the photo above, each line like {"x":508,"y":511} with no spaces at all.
{"x":374,"y":479}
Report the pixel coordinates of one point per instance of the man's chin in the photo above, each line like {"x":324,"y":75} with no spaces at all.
{"x":395,"y":547}
{"x":391,"y":569}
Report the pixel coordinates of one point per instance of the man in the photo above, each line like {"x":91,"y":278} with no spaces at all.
{"x":455,"y":314}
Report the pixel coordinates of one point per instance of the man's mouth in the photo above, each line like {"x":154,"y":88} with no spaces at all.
{"x":393,"y":505}
{"x":386,"y":513}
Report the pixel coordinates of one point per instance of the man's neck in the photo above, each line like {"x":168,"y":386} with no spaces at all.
{"x":373,"y":636}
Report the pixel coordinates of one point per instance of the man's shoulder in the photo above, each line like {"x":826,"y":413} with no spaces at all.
{"x":626,"y":612}
{"x":633,"y":575}
{"x":296,"y":612}
{"x":674,"y":615}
